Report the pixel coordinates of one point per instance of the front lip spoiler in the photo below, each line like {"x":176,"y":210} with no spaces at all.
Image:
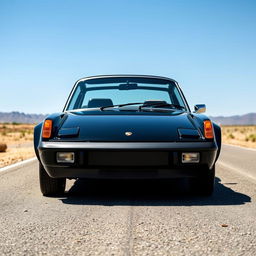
{"x":129,"y":145}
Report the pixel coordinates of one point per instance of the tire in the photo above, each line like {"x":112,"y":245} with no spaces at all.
{"x":50,"y":186}
{"x":204,"y":184}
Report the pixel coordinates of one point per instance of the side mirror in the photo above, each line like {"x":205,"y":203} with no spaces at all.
{"x":200,"y":108}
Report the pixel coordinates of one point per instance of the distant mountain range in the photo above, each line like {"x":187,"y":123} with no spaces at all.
{"x":18,"y":117}
{"x":247,"y":119}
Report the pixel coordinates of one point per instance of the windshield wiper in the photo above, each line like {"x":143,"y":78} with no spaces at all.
{"x":143,"y":105}
{"x":122,"y":105}
{"x":161,"y":105}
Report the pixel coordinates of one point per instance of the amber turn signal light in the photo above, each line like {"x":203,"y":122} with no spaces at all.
{"x":208,"y":130}
{"x":47,"y":129}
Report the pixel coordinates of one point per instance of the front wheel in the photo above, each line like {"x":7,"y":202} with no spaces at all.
{"x":50,"y":186}
{"x":204,"y":184}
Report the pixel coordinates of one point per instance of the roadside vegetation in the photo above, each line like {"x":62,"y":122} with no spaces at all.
{"x":239,"y":135}
{"x":16,"y":142}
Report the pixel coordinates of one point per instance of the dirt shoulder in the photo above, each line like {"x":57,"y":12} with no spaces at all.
{"x":19,"y":141}
{"x":244,"y":136}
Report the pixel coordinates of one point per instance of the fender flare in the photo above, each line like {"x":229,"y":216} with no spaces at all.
{"x":37,"y":136}
{"x":217,"y":132}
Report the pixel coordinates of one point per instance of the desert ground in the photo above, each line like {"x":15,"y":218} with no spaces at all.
{"x":244,"y":136}
{"x":19,"y":140}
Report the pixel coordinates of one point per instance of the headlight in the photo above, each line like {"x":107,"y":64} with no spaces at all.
{"x":65,"y":157}
{"x":190,"y":158}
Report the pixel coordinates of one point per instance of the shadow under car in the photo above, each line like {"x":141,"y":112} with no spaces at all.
{"x":174,"y":192}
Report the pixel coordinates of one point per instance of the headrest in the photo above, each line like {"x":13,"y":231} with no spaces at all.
{"x":152,"y":102}
{"x":97,"y":103}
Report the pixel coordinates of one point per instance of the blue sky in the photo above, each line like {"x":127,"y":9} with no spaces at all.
{"x":209,"y":47}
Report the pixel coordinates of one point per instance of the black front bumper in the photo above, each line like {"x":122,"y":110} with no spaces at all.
{"x":127,"y":160}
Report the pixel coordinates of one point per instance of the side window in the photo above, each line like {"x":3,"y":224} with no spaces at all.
{"x":177,"y":97}
{"x":74,"y":98}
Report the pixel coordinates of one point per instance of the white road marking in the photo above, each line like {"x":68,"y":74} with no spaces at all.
{"x":231,"y":168}
{"x":236,"y":146}
{"x":17,"y":165}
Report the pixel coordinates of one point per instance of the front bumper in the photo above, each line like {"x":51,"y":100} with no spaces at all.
{"x":126,"y":160}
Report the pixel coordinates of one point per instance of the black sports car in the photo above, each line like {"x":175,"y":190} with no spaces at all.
{"x":127,"y":127}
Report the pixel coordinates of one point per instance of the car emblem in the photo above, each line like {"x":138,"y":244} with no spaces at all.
{"x":128,"y":133}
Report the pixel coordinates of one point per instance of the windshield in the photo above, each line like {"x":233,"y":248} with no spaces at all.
{"x":102,"y":92}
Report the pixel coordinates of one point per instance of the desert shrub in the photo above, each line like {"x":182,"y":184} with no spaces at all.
{"x":3,"y":147}
{"x":252,"y":137}
{"x":23,"y":134}
{"x":231,"y":136}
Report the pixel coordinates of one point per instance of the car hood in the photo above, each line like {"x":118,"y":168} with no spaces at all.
{"x":126,"y":128}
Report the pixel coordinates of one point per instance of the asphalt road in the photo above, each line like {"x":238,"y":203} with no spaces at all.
{"x":132,"y":218}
